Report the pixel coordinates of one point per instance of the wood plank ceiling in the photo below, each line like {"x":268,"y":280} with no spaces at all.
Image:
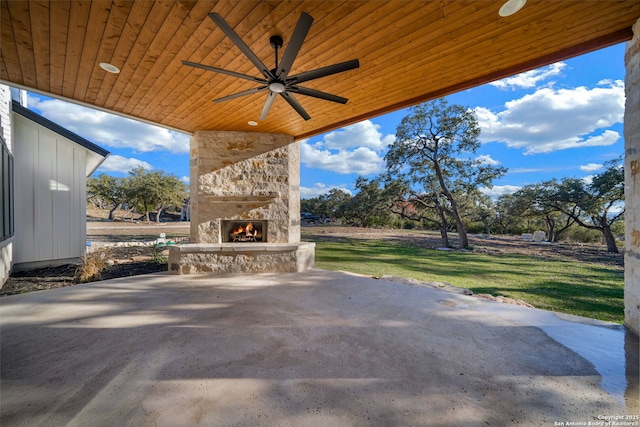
{"x":409,"y":51}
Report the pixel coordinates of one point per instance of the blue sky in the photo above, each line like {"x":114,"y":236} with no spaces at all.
{"x":561,"y":120}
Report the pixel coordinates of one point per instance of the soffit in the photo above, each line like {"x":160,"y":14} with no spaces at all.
{"x":409,"y":51}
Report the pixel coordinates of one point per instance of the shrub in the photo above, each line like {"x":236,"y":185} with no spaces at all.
{"x":156,"y":254}
{"x":581,"y":235}
{"x":408,"y":225}
{"x":91,"y":266}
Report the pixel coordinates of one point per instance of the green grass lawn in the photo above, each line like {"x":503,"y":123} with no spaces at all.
{"x":583,"y":289}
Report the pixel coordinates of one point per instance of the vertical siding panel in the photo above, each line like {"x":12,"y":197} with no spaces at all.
{"x":81,"y":179}
{"x":50,"y":189}
{"x":62,"y":221}
{"x":26,"y":160}
{"x":45,"y":183}
{"x":74,"y":225}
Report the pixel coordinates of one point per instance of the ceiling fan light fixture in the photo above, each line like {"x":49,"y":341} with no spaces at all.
{"x":511,"y":7}
{"x":277,"y":87}
{"x":109,"y":68}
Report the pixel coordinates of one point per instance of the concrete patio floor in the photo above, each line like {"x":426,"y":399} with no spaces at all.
{"x":317,"y":348}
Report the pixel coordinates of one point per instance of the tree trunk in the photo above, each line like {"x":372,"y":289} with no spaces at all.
{"x":462,"y":231}
{"x":487,"y":229}
{"x":146,"y":212}
{"x":612,"y":247}
{"x":160,"y":209}
{"x":129,"y":212}
{"x":117,"y":205}
{"x":551,"y":225}
{"x":444,"y":235}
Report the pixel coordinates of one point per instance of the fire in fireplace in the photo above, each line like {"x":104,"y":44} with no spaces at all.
{"x":244,"y":231}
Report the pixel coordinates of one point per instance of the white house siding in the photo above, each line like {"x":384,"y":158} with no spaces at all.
{"x":50,"y":195}
{"x":5,"y":113}
{"x":6,"y":246}
{"x":6,"y":258}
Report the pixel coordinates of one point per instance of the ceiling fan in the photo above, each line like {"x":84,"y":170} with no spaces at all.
{"x":277,"y":81}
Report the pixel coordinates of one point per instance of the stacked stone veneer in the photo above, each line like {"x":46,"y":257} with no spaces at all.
{"x":632,"y":183}
{"x":243,"y":176}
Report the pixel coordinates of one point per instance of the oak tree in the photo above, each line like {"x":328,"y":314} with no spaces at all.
{"x":434,"y":154}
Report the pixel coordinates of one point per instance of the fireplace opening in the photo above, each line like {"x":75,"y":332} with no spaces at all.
{"x":244,"y":231}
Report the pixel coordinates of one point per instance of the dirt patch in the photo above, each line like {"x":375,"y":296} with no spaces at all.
{"x":124,"y":262}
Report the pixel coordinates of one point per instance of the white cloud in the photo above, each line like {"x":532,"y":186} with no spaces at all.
{"x":362,"y":160}
{"x":591,"y":167}
{"x":109,"y":129}
{"x":319,"y":189}
{"x":550,"y":120}
{"x":356,"y":148}
{"x":115,"y":163}
{"x":499,"y":190}
{"x":185,"y":179}
{"x":531,"y":78}
{"x":362,"y":134}
{"x":486,"y":159}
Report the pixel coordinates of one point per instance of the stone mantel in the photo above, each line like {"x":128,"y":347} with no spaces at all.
{"x":212,"y":198}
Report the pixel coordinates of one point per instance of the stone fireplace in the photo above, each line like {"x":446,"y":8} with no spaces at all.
{"x":245,"y":206}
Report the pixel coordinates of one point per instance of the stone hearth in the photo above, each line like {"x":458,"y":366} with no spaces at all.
{"x":239,"y":178}
{"x":234,"y":258}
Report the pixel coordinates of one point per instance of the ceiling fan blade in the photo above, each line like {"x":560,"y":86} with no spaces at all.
{"x":239,"y":94}
{"x":294,"y":45}
{"x":221,"y":71}
{"x":220,"y":22}
{"x":317,"y":94}
{"x":271,"y":96}
{"x":295,"y":104}
{"x":324,"y":71}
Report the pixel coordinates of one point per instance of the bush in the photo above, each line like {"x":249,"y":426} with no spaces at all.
{"x":405,"y":224}
{"x":92,"y":264}
{"x":475,"y":227}
{"x":409,"y":225}
{"x":581,"y":235}
{"x":375,"y":221}
{"x":156,"y":254}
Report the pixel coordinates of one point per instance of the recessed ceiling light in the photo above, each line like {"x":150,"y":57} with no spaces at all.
{"x":252,"y":123}
{"x":109,"y":68}
{"x":511,"y":7}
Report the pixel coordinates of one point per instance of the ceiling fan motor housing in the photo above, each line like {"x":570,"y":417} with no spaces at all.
{"x":276,"y":42}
